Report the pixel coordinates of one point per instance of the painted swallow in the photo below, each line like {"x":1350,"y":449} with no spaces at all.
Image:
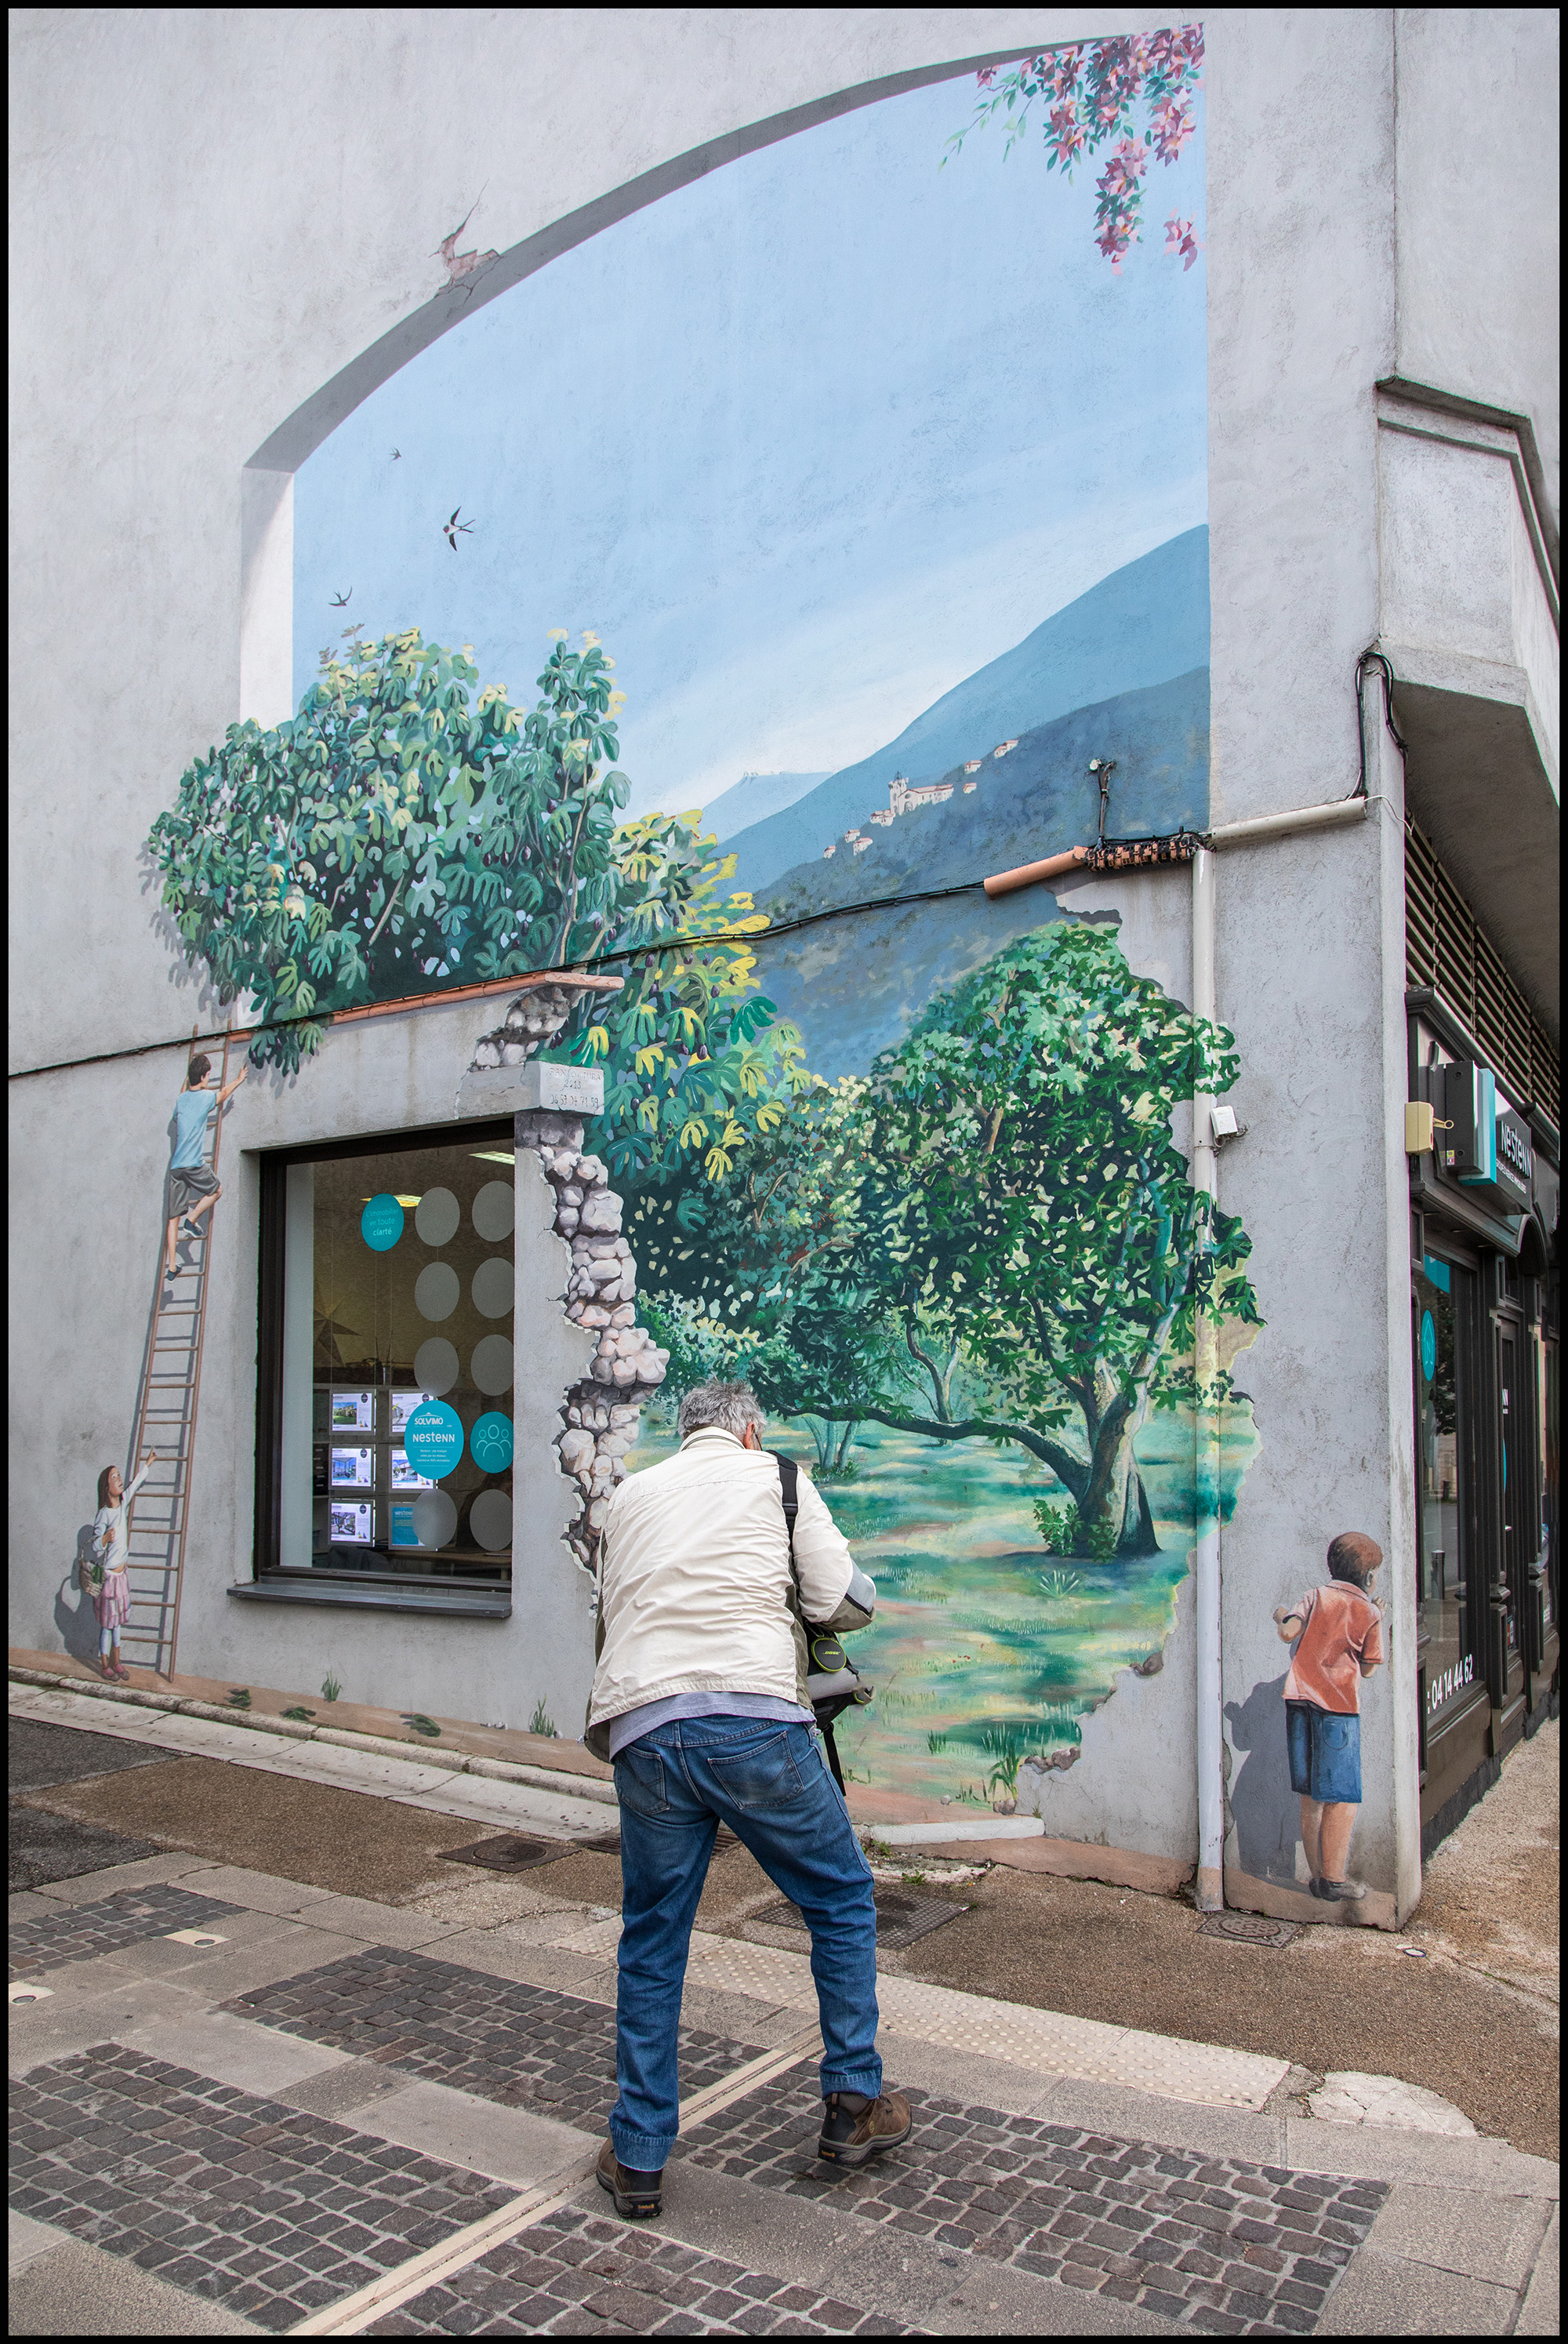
{"x":341,"y":601}
{"x":453,"y":529}
{"x":397,"y":452}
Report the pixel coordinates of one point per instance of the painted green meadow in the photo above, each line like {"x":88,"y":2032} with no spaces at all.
{"x":986,"y":1647}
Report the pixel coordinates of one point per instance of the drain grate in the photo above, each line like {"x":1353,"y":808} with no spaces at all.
{"x":1247,"y":1928}
{"x":901,"y":1919}
{"x":512,"y":1852}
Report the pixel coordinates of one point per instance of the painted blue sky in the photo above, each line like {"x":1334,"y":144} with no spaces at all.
{"x":805,"y":443}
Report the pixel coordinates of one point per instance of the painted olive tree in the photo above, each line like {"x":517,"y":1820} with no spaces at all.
{"x":409,"y":830}
{"x":1002,"y":1242}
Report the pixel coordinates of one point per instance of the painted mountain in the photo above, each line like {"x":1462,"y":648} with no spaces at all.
{"x":1142,"y":625}
{"x":855,"y":985}
{"x":753,"y":798}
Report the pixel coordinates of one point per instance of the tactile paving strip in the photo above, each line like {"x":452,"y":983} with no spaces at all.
{"x":80,"y":1931}
{"x":521,"y":2045}
{"x":1048,"y":2040}
{"x":272,"y":2213}
{"x":1213,"y":2243}
{"x":577,"y":2274}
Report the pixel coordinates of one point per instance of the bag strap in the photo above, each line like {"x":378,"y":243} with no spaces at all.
{"x":789,"y":1493}
{"x":790,"y":1489}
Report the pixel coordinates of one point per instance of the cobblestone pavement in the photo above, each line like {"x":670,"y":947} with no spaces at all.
{"x":577,"y":2275}
{"x":80,"y":1931}
{"x":1228,"y":2248}
{"x":522,"y":2046}
{"x":256,"y":2205}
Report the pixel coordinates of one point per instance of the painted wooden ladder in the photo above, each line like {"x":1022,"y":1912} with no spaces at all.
{"x":159,"y":1514}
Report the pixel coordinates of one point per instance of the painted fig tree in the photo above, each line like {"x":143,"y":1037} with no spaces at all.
{"x":410,"y":829}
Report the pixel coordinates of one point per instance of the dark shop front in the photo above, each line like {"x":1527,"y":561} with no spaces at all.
{"x":1484,"y":1178}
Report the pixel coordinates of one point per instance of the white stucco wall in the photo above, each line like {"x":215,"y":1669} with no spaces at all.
{"x":1478,"y":132}
{"x":1467,"y":604}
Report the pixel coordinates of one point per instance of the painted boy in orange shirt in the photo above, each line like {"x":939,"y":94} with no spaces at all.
{"x":1339,"y":1632}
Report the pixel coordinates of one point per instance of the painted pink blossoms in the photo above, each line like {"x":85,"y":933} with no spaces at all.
{"x":1091,"y":91}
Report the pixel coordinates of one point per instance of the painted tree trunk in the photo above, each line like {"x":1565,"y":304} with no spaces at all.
{"x":1114,"y":1502}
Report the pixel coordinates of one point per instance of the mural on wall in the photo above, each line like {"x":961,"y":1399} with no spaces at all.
{"x":876,"y":501}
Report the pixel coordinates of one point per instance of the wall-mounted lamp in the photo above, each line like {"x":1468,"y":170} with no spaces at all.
{"x":1421,"y":1121}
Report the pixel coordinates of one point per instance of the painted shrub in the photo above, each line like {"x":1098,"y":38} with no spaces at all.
{"x":882,"y":476}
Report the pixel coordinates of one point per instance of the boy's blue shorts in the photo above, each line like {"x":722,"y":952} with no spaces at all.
{"x":1325,"y":1753}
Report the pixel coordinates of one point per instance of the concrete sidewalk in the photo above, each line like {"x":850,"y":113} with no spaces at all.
{"x":1472,"y":2019}
{"x":246,"y":2101}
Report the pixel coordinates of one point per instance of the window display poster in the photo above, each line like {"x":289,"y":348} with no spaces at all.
{"x":354,"y":1411}
{"x":406,"y":1476}
{"x":352,"y":1468}
{"x":434,"y":1437}
{"x":404,"y":1403}
{"x":350,"y":1525}
{"x":403,"y":1530}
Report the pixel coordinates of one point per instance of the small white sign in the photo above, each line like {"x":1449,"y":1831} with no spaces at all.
{"x":520,"y":1090}
{"x":573,"y":1090}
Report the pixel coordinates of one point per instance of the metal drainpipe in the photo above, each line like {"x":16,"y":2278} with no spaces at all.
{"x":1209,"y":1886}
{"x":1210,"y":1883}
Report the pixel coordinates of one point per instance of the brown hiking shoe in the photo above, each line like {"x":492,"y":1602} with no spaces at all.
{"x":637,"y":2196}
{"x":852,"y":2133}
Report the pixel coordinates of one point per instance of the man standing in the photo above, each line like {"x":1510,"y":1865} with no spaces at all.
{"x":700,"y":1699}
{"x":194,"y":1187}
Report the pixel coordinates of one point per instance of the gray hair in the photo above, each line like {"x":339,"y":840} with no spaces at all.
{"x":731,"y":1407}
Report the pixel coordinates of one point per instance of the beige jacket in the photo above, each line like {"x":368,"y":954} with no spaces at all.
{"x":694,"y":1581}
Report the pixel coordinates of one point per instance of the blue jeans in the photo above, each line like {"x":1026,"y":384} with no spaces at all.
{"x":770,"y":1783}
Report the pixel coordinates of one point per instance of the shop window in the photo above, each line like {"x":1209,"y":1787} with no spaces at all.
{"x":1444,"y":1430}
{"x":388,"y":1326}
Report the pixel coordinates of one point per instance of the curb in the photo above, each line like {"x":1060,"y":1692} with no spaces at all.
{"x":453,"y":1761}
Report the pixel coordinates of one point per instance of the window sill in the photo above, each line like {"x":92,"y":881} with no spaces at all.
{"x":379,"y":1595}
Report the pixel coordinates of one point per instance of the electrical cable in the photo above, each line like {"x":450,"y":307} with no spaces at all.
{"x":1371,"y":658}
{"x":597,"y":960}
{"x":1108,"y":854}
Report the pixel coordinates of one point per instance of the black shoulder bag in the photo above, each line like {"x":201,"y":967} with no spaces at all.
{"x":833,"y":1683}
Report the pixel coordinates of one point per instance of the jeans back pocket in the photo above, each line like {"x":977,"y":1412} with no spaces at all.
{"x":765,"y":1775}
{"x":640,"y":1781}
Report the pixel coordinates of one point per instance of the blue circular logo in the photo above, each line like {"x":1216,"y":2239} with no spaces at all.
{"x":1428,"y":1345}
{"x":433,"y":1440}
{"x":490,"y":1443}
{"x":381,"y":1224}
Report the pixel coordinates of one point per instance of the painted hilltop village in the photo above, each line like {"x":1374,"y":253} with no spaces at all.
{"x":904,"y":796}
